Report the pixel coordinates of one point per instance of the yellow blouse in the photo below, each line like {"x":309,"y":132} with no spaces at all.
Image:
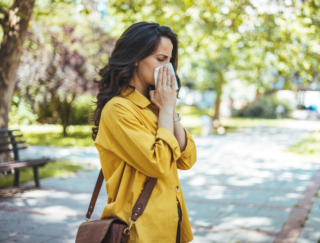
{"x":131,"y":149}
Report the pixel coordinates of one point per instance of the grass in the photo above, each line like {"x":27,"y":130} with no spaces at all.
{"x":53,"y":168}
{"x":51,"y":135}
{"x":190,"y":119}
{"x":253,"y":122}
{"x":308,"y":146}
{"x":80,"y":136}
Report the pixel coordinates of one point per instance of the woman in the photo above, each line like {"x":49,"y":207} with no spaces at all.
{"x":137,"y":137}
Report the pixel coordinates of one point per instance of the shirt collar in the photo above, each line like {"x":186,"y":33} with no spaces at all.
{"x":135,"y":97}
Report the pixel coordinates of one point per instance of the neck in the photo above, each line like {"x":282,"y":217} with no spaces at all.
{"x":139,"y":85}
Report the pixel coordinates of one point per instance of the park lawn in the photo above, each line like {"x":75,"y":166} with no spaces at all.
{"x":53,"y":168}
{"x":308,"y":146}
{"x":51,"y":135}
{"x":80,"y":135}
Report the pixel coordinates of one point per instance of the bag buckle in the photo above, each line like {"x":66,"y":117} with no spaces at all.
{"x":126,"y":230}
{"x":131,"y":223}
{"x":87,"y":220}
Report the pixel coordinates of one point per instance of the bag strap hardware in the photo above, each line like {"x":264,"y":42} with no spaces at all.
{"x":126,"y":231}
{"x":130,"y":225}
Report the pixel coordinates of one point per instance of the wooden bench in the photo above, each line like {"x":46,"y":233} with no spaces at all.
{"x":10,"y":142}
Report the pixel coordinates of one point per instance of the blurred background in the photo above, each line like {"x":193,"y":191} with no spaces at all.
{"x":241,"y":62}
{"x":246,"y":66}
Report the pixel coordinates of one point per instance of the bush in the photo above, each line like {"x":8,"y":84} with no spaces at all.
{"x":268,"y":106}
{"x":21,"y":112}
{"x":83,"y":106}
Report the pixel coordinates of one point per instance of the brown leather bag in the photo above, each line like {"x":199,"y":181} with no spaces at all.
{"x":112,"y":230}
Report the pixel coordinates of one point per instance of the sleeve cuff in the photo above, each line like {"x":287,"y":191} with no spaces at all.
{"x":167,"y":136}
{"x":190,"y":145}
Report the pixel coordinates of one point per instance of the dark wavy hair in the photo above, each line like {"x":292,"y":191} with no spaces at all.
{"x":136,"y":43}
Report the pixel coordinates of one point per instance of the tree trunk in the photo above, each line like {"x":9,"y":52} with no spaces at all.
{"x":14,"y":24}
{"x":65,"y":110}
{"x":219,"y":89}
{"x":65,"y":133}
{"x":257,"y":95}
{"x":216,"y":115}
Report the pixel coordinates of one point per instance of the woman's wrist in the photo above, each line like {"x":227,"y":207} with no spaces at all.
{"x":165,"y":119}
{"x":166,"y":110}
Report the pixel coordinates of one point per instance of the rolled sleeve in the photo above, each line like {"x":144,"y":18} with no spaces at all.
{"x":167,"y":136}
{"x":189,"y":155}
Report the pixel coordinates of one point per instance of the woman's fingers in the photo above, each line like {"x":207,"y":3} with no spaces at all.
{"x":160,"y":75}
{"x":173,"y":82}
{"x":165,"y":79}
{"x":168,"y":80}
{"x":168,"y":74}
{"x":165,"y":74}
{"x":164,"y":96}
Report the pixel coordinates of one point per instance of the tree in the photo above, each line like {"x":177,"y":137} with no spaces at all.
{"x":14,"y":25}
{"x":222,"y":41}
{"x":208,"y":33}
{"x":59,"y":63}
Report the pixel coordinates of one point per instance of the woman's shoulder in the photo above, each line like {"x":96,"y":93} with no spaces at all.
{"x":117,"y":106}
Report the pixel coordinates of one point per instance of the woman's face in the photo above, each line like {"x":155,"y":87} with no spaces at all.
{"x":146,"y":66}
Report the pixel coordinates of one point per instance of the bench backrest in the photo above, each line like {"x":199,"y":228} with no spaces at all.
{"x":11,"y":141}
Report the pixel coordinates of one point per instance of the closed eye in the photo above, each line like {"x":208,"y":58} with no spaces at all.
{"x":160,"y":60}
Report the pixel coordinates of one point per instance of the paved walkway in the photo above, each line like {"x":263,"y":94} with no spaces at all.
{"x":243,"y":188}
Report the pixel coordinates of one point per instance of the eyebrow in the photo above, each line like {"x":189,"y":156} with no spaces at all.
{"x":162,"y":55}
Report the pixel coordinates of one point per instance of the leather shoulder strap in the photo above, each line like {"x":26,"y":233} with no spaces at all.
{"x":138,"y":207}
{"x":95,"y":195}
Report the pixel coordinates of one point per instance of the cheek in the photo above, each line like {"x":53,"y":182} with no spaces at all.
{"x":146,"y":70}
{"x":150,"y":72}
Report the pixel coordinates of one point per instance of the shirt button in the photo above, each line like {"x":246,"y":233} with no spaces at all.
{"x":177,"y":188}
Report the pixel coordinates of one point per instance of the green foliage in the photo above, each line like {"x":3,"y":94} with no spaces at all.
{"x":226,"y":41}
{"x":63,"y":47}
{"x":82,"y":108}
{"x":308,"y":146}
{"x":265,"y":107}
{"x":220,"y":42}
{"x":53,"y":168}
{"x":21,"y":112}
{"x":79,"y":111}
